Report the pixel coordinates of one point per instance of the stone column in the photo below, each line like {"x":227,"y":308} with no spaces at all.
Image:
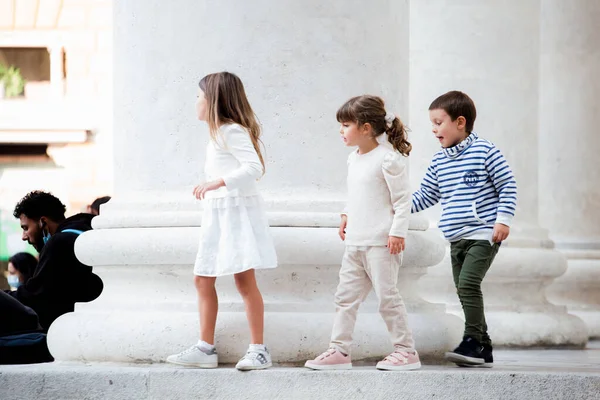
{"x":568,"y":150}
{"x":57,"y":80}
{"x":300,"y":61}
{"x":490,"y":50}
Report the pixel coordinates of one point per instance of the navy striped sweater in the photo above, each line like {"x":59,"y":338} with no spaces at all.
{"x":475,"y":186}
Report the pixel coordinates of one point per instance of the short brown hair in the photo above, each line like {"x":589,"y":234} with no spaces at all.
{"x":457,"y":104}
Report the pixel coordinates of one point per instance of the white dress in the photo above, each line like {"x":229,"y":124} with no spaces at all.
{"x":235,"y":230}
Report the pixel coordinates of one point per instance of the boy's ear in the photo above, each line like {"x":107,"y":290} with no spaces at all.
{"x":461,"y":122}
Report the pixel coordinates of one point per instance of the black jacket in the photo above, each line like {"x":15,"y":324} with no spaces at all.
{"x":60,"y":280}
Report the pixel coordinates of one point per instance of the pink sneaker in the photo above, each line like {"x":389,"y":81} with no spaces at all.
{"x":331,"y":359}
{"x":400,"y":361}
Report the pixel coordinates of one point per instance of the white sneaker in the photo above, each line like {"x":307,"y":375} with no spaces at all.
{"x":195,"y":357}
{"x":257,"y":357}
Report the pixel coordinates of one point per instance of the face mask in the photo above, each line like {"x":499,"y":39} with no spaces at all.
{"x":13,"y":281}
{"x":45,"y":235}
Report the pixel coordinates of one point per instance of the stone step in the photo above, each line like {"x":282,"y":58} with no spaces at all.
{"x":66,"y":381}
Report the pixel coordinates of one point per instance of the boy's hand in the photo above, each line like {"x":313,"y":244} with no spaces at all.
{"x":200,"y":190}
{"x":395,"y":244}
{"x":501,"y":232}
{"x":342,"y":231}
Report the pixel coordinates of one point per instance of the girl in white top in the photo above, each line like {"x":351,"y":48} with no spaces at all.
{"x":374,"y":227}
{"x":235,"y":231}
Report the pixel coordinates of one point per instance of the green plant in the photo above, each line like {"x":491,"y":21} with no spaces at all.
{"x":3,"y":70}
{"x":13,"y":81}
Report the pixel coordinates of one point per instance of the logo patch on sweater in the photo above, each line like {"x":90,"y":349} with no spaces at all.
{"x":471,"y":178}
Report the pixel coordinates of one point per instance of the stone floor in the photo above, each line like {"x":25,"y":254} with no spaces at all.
{"x":549,"y":360}
{"x":518,"y":374}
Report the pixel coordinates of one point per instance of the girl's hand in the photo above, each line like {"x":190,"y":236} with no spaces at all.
{"x":501,"y":232}
{"x":395,"y":244}
{"x":343,"y":224}
{"x":200,"y":190}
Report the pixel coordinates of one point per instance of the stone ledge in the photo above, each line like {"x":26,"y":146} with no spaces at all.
{"x":178,"y":246}
{"x":113,"y":381}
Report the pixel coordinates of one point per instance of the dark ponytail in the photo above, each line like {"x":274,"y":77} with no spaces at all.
{"x":398,"y":137}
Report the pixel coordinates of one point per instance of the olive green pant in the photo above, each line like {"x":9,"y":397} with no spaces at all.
{"x":471,"y":260}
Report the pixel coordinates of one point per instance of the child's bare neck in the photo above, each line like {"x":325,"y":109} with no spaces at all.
{"x":364,"y":148}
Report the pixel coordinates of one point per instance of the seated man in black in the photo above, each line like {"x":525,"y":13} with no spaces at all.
{"x":60,"y":280}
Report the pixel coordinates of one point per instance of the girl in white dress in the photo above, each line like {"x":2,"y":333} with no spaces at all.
{"x":235,"y":231}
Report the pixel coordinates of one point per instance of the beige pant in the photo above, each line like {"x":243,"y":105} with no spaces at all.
{"x":364,"y":268}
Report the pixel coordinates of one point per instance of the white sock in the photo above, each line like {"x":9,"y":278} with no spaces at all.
{"x":205,"y":346}
{"x":257,"y":347}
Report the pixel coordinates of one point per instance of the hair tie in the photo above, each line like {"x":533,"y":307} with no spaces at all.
{"x":389,"y":119}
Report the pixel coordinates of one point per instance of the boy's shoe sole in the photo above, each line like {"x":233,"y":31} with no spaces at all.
{"x":254,"y":367}
{"x":408,"y":367}
{"x":484,"y":365}
{"x":328,"y":367}
{"x":198,"y":365}
{"x":460,"y":359}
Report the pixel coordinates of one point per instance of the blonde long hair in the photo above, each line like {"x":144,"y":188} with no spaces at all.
{"x":227,"y":104}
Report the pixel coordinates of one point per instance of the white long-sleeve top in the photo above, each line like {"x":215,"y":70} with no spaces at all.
{"x":379,"y":197}
{"x":233,"y":158}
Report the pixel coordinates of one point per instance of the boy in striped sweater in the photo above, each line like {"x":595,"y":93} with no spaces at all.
{"x":478,"y":192}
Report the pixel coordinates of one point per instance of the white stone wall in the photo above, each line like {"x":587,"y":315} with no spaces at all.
{"x":569,"y":145}
{"x":299,"y":61}
{"x":488,"y":50}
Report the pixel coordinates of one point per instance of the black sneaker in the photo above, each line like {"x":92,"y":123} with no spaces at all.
{"x":488,"y":358}
{"x":468,"y":352}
